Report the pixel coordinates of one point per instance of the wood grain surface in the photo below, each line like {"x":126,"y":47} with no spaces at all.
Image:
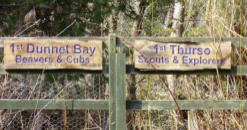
{"x":182,"y":56}
{"x":50,"y":54}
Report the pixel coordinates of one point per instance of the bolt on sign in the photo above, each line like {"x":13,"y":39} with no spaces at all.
{"x":178,"y":56}
{"x":50,"y":54}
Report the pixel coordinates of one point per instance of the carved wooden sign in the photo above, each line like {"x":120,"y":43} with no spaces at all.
{"x":177,"y":56}
{"x":52,"y":54}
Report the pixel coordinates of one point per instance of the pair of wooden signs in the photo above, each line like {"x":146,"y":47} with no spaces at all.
{"x":50,"y":54}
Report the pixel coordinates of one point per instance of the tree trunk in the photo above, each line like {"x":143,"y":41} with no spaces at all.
{"x":168,"y":18}
{"x":177,"y":25}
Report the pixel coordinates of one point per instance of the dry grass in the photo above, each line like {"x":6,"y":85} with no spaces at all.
{"x":203,"y":18}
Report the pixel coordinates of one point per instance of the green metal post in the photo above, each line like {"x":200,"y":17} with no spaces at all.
{"x":117,"y":101}
{"x":120,"y":93}
{"x":112,"y":82}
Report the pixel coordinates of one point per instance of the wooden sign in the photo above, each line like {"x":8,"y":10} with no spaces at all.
{"x":177,"y":56}
{"x":51,"y":54}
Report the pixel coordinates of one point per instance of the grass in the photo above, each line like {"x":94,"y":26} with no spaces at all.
{"x":212,"y":18}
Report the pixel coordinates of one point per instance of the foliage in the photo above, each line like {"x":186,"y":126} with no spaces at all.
{"x":212,"y":18}
{"x":55,"y":15}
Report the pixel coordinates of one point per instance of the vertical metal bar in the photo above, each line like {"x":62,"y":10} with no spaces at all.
{"x":112,"y":82}
{"x":112,"y":43}
{"x":120,"y":93}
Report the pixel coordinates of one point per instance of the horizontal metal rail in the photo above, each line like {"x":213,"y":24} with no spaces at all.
{"x":188,"y":105}
{"x":235,"y":70}
{"x":74,"y":38}
{"x":70,"y":104}
{"x":189,"y":40}
{"x":53,"y":104}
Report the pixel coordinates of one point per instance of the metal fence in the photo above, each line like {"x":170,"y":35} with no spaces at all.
{"x":70,"y":112}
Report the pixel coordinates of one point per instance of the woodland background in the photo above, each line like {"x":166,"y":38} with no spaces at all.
{"x":154,"y":18}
